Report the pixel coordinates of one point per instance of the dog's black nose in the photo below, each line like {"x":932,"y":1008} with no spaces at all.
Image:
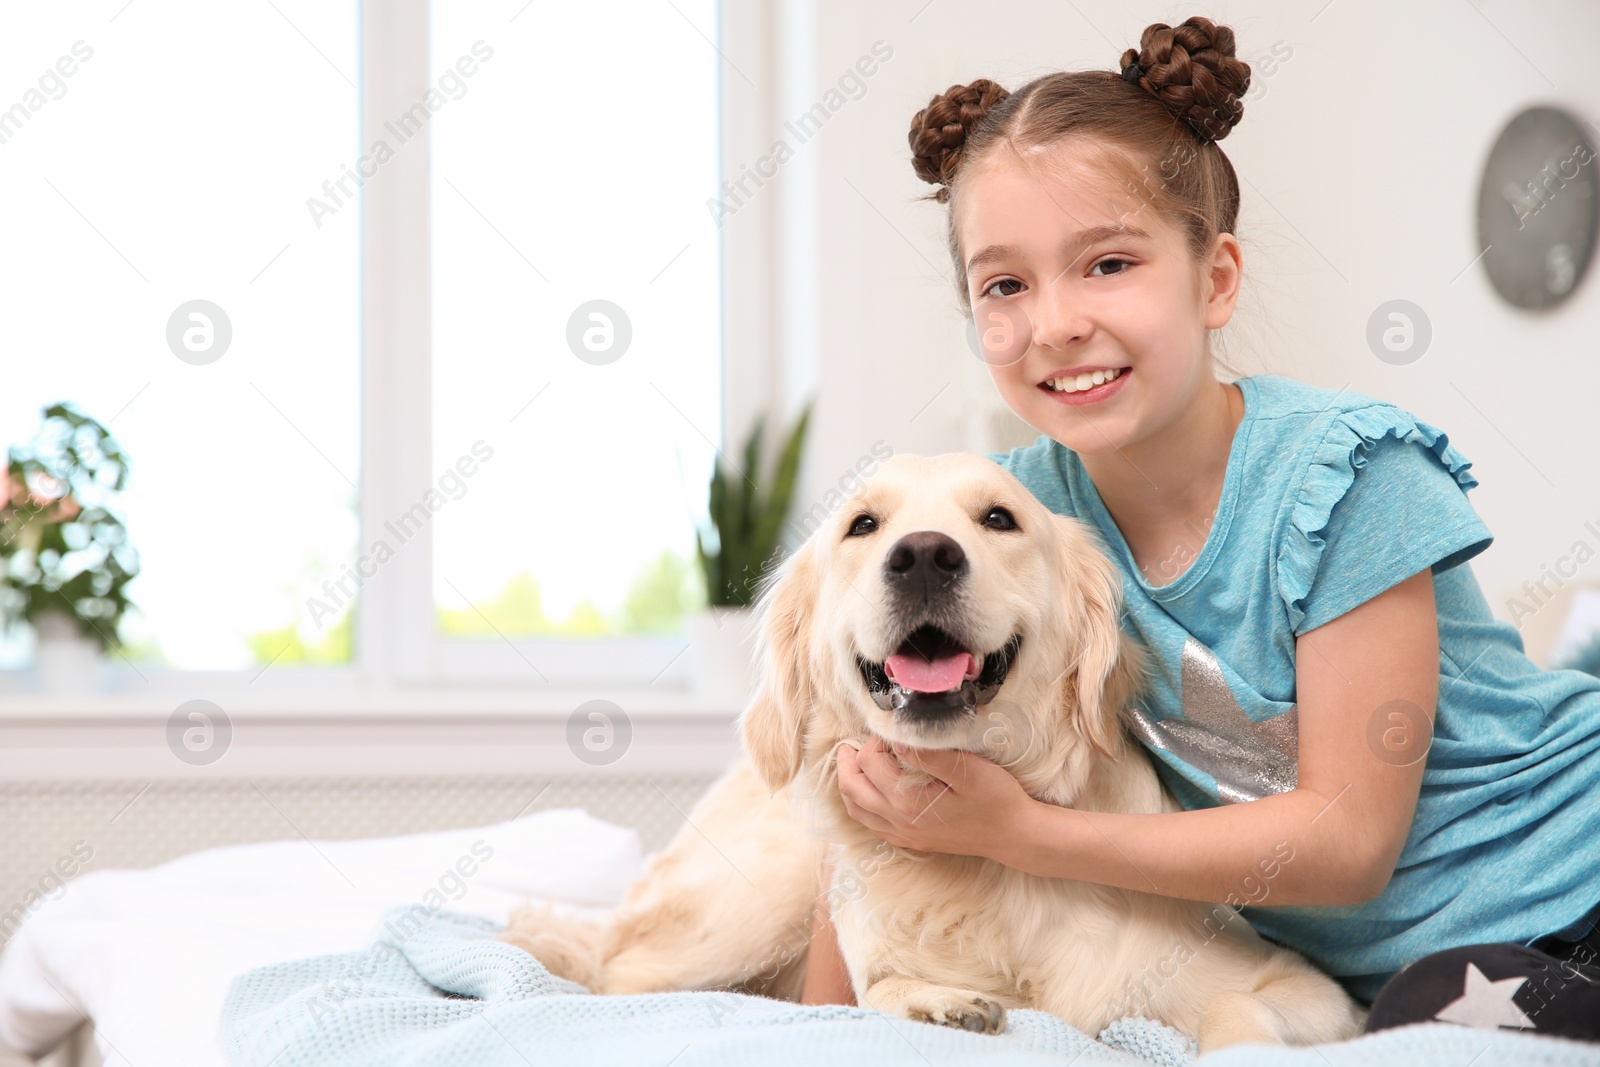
{"x":922,"y":564}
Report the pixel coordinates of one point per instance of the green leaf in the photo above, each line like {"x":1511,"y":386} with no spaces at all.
{"x":777,"y":505}
{"x":719,"y":505}
{"x":747,"y":519}
{"x":749,"y":499}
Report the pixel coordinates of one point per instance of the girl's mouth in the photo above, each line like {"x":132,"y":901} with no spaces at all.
{"x":1093,"y":395}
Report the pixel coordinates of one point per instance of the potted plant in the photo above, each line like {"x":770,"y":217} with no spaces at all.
{"x":746,"y":521}
{"x":64,"y":557}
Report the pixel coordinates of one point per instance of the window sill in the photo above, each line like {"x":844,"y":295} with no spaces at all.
{"x":316,"y":693}
{"x":337,"y":723}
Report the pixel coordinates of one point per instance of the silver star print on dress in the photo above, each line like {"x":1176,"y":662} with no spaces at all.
{"x":1485,"y":1004}
{"x":1249,"y":760}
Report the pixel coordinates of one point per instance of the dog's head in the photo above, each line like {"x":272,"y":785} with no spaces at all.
{"x":942,"y":606}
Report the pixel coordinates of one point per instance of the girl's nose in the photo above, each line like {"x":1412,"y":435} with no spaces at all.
{"x":1056,"y":319}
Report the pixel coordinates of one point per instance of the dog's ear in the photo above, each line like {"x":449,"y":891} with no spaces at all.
{"x":1109,"y":668}
{"x":774,"y":723}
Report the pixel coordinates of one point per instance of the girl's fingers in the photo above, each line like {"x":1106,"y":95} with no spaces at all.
{"x":861,"y":797}
{"x":866,"y":783}
{"x":868,"y":810}
{"x":865,"y":771}
{"x":866,"y":818}
{"x":850,"y":775}
{"x":876,"y":764}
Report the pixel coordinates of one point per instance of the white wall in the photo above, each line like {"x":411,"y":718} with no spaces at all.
{"x":1359,"y":169}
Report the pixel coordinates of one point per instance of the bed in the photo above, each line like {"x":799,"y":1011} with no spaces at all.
{"x":148,"y":954}
{"x":270,"y":954}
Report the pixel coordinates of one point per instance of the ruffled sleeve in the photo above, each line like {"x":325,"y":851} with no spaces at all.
{"x":1383,"y":498}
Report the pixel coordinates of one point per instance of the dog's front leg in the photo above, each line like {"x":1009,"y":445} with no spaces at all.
{"x":878,"y":939}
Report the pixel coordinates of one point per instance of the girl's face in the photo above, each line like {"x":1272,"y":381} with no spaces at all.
{"x":1069,"y":274}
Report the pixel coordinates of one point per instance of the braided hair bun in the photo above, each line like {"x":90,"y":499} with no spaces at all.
{"x":939,"y":131}
{"x":1192,"y":70}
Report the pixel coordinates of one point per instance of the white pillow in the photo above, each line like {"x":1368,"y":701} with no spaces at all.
{"x":148,"y":954}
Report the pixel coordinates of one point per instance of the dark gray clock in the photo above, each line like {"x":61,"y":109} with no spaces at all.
{"x":1537,"y":208}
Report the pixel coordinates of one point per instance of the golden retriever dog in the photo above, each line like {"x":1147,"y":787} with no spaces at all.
{"x":942,"y":607}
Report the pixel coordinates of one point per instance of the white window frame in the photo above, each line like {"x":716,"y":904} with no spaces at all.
{"x":400,"y":663}
{"x":397,"y":447}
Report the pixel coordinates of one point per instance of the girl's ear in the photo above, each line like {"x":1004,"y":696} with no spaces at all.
{"x":1109,"y":666}
{"x":774,"y":723}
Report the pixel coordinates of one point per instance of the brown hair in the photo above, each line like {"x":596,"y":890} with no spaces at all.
{"x":1155,"y":124}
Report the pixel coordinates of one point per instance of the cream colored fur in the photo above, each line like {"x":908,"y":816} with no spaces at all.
{"x":947,"y":939}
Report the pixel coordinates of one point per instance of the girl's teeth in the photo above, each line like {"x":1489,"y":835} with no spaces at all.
{"x":1084,"y":381}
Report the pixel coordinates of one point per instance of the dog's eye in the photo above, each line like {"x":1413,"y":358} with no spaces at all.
{"x":1000,"y":519}
{"x":864,"y":524}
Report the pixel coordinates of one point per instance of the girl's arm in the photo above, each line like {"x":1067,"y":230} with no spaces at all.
{"x":1366,"y":683}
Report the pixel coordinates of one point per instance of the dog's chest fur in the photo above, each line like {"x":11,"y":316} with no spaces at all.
{"x":1075,"y":949}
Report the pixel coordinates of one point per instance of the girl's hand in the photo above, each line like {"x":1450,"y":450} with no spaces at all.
{"x":973,"y":808}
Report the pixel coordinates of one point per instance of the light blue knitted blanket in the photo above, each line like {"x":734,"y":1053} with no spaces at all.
{"x":447,"y":995}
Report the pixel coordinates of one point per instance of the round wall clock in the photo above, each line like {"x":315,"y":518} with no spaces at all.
{"x":1537,"y":208}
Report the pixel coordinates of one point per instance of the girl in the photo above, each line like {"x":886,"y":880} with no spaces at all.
{"x":1368,"y":762}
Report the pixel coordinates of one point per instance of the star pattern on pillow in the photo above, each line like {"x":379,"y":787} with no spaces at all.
{"x":1486,"y":1005}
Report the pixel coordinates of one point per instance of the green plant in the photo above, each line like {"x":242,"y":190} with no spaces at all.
{"x":747,"y":521}
{"x":61,"y":549}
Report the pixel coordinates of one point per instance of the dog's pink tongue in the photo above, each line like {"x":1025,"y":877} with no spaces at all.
{"x":924,"y":676}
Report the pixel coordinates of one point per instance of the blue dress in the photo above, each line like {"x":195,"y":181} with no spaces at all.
{"x":1330,"y":498}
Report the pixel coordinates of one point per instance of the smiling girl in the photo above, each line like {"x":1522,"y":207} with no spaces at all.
{"x":1367,"y":759}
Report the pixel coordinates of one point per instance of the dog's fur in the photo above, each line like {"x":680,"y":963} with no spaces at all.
{"x":929,"y":936}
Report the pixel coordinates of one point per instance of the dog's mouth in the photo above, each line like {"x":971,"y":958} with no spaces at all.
{"x":933,"y":675}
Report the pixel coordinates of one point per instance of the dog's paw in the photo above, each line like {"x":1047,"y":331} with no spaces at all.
{"x":958,"y":1008}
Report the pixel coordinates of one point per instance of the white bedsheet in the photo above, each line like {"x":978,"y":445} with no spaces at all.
{"x":148,"y":954}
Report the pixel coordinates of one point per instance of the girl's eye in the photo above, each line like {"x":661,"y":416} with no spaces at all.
{"x":1000,"y":519}
{"x":863,"y":524}
{"x":1125,"y":264}
{"x":1003,"y":281}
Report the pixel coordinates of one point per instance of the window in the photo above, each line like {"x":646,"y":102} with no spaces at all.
{"x":473,"y":298}
{"x":155,"y":156}
{"x":575,"y":315}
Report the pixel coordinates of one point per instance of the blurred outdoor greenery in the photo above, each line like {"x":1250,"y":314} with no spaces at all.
{"x":662,"y":594}
{"x":659,"y":597}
